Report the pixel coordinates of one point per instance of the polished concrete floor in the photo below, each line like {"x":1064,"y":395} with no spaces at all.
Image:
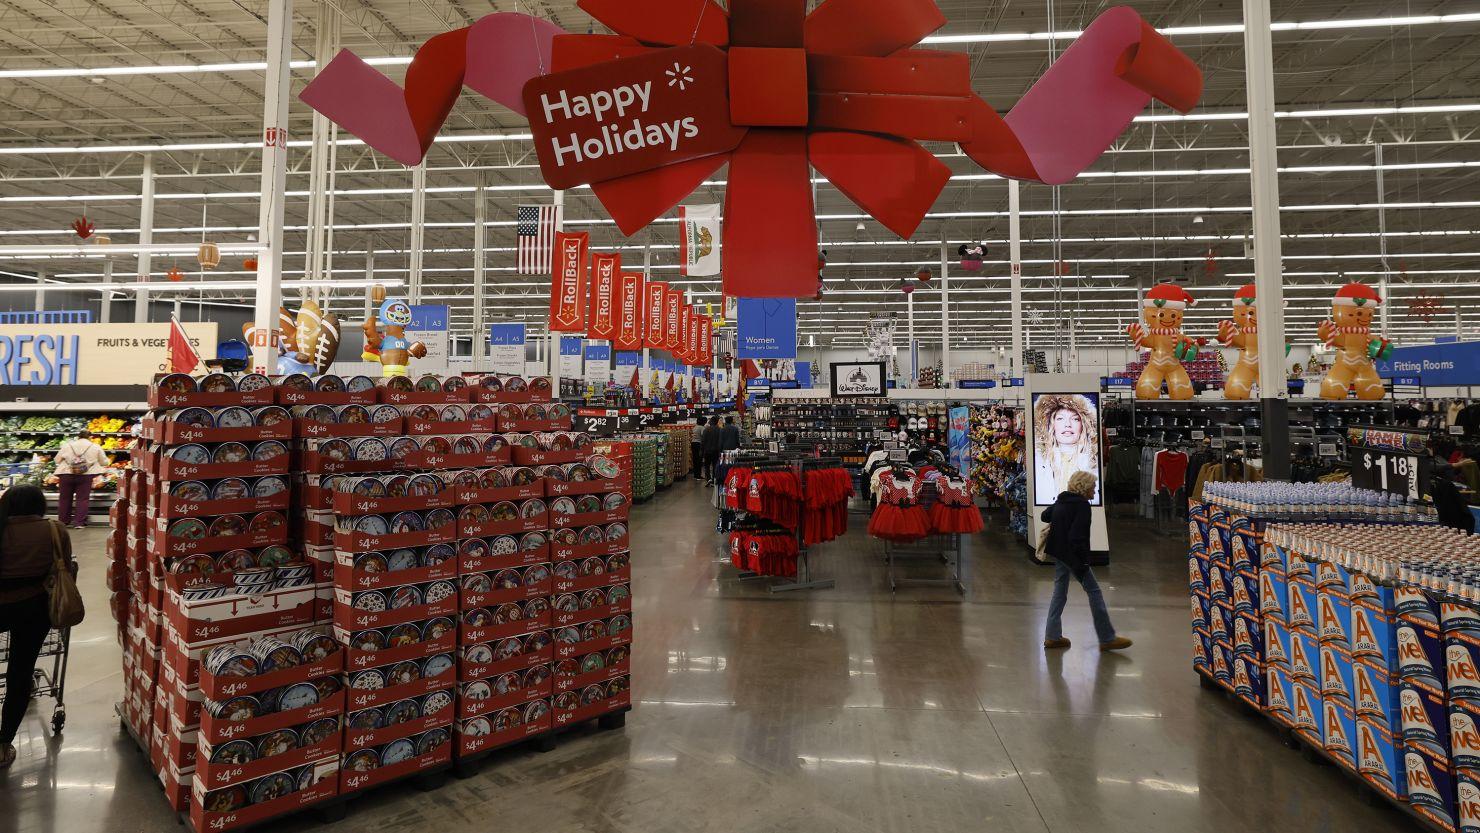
{"x":852,"y":709}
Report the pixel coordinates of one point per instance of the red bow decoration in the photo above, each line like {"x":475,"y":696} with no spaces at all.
{"x":840,"y":90}
{"x":84,"y":227}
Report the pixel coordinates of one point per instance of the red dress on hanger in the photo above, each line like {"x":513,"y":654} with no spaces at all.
{"x":954,"y":511}
{"x":898,"y":516}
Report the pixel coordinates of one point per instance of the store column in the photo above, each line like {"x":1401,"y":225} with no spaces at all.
{"x":40,"y":290}
{"x":480,"y":245}
{"x":146,"y":239}
{"x":105,"y":307}
{"x":1015,"y":273}
{"x":1268,"y":271}
{"x":274,"y":184}
{"x":418,"y":230}
{"x":552,"y":348}
{"x":945,"y":316}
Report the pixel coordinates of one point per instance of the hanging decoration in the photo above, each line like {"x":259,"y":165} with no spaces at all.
{"x":249,"y":264}
{"x":971,"y":255}
{"x":1160,"y":332}
{"x":922,"y":275}
{"x":208,"y":255}
{"x":84,"y":227}
{"x":906,"y":287}
{"x":1426,"y":306}
{"x":1349,"y":332}
{"x":175,"y":274}
{"x":1210,"y":263}
{"x":646,"y":115}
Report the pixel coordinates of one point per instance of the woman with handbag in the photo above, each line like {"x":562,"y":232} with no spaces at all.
{"x":1067,"y":542}
{"x":37,"y":589}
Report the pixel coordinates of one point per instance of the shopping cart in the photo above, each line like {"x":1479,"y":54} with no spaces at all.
{"x":50,"y":682}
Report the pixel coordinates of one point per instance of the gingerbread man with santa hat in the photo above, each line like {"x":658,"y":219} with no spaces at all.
{"x":1349,"y":330}
{"x":1160,"y":331}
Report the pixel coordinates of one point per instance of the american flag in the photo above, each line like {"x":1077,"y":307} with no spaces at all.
{"x":535,"y":233}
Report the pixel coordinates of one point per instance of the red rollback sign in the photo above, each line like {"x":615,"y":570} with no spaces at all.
{"x":655,"y":305}
{"x":706,"y":341}
{"x":672,"y":335}
{"x":695,"y":358}
{"x":602,"y":318}
{"x":629,"y":312}
{"x":685,"y":335}
{"x":631,"y":115}
{"x":568,"y":283}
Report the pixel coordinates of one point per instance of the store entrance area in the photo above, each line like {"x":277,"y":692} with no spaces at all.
{"x":847,"y":709}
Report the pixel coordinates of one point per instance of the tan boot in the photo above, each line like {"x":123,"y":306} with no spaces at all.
{"x":1054,"y":644}
{"x":1115,"y":644}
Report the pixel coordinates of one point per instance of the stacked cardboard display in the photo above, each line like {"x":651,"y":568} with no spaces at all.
{"x":415,"y":530}
{"x":1376,"y":676}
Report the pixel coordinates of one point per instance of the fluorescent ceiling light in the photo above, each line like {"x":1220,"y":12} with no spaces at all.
{"x":456,"y":138}
{"x":994,"y":37}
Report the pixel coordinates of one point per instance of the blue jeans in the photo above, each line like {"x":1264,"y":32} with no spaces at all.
{"x":1061,"y":575}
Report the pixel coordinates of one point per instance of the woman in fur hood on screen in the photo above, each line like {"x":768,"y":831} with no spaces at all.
{"x":1066,"y":439}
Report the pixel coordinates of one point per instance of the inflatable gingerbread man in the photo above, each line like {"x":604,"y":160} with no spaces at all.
{"x":1161,"y":333}
{"x":1350,"y":331}
{"x":1242,"y":333}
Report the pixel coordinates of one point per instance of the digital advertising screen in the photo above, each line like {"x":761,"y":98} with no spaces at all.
{"x":1066,"y":439}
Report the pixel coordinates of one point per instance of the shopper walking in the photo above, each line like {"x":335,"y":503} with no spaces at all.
{"x":79,"y":460}
{"x":27,"y":558}
{"x":1068,"y":543}
{"x":709,"y":446}
{"x":729,"y":438}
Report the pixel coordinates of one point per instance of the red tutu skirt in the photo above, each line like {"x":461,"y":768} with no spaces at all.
{"x":954,"y":519}
{"x":899,"y":523}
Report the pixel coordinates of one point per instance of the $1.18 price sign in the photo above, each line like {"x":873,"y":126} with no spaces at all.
{"x":1388,"y":471}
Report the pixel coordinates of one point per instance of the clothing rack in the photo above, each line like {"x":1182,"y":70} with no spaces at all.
{"x":764,"y":461}
{"x":948,"y":549}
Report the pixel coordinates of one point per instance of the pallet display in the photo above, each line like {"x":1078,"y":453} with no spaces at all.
{"x":1345,"y":636}
{"x":437,"y":570}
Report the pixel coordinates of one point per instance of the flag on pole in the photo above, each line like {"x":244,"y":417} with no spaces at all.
{"x":535,"y":232}
{"x":698,"y":239}
{"x":183,"y":358}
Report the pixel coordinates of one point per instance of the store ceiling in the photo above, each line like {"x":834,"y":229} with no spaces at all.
{"x":1343,"y":82}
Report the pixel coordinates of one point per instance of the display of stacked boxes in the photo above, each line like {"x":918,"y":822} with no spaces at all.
{"x":1381,"y":679}
{"x":418,"y":531}
{"x":208,"y":565}
{"x":1228,"y":630}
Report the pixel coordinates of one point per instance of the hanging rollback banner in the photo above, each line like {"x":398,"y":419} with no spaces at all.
{"x":568,"y":283}
{"x":685,"y":334}
{"x":655,"y":304}
{"x":698,"y":239}
{"x":629,"y":312}
{"x":672,"y":322}
{"x":605,"y":271}
{"x":706,"y":341}
{"x":691,"y":344}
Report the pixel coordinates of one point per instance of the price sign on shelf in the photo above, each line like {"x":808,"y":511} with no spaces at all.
{"x":1389,"y":460}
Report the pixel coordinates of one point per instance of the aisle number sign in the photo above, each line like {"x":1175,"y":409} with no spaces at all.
{"x":92,"y":354}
